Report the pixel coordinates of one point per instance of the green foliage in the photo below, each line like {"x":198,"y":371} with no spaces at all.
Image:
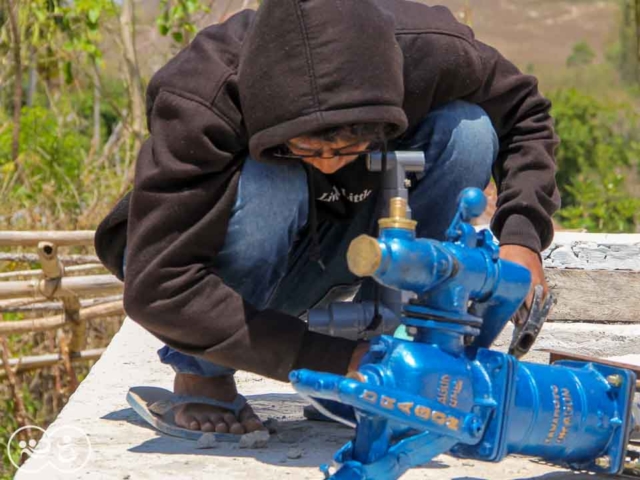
{"x":624,"y":53}
{"x":60,"y":180}
{"x":177,"y":19}
{"x":603,"y":205}
{"x":600,"y":148}
{"x":581,"y":55}
{"x":64,"y":177}
{"x":51,"y":156}
{"x":8,"y":425}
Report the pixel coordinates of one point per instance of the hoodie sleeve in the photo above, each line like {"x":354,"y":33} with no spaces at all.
{"x":525,"y":168}
{"x":185,"y":186}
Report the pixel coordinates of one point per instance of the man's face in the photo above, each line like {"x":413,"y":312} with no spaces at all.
{"x":324,"y":153}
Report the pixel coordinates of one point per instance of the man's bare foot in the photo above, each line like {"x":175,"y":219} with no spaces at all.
{"x":206,"y":417}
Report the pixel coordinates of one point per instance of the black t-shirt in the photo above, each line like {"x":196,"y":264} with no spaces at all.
{"x":340,"y":195}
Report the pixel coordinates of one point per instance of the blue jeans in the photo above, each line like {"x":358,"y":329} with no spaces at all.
{"x":265,"y":256}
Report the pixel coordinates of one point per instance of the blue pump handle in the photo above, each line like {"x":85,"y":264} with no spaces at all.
{"x":412,"y":410}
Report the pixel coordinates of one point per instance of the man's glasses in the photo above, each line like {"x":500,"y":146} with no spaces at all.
{"x":285,"y":152}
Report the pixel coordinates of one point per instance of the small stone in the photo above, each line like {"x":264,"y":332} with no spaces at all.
{"x":271,"y":424}
{"x":468,"y":464}
{"x":257,"y":439}
{"x":294,"y":452}
{"x":207,"y":440}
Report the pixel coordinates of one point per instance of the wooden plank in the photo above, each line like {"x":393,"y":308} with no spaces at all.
{"x":595,"y":295}
{"x":32,"y":238}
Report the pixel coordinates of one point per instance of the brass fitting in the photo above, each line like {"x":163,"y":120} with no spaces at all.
{"x":615,"y":380}
{"x":632,"y":467}
{"x":398,"y":217}
{"x":364,"y":256}
{"x":603,"y":462}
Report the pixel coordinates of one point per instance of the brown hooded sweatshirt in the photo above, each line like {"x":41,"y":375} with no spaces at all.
{"x":261,"y":78}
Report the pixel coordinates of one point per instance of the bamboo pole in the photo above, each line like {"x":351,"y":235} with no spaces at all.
{"x":33,"y":258}
{"x":82,"y":285}
{"x":51,"y":265}
{"x":36,"y":273}
{"x":41,"y":361}
{"x":7,"y":371}
{"x":65,"y":356}
{"x":58,"y":321}
{"x":57,"y":378}
{"x":17,"y":303}
{"x":28,"y":305}
{"x":32,"y":238}
{"x":78,"y":340}
{"x":52,"y":270}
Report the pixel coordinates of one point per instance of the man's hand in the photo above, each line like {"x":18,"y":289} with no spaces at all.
{"x":529,"y":259}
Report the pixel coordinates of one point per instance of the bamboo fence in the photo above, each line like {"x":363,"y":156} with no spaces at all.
{"x":56,"y":287}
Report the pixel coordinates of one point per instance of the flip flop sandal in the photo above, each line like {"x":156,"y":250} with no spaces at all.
{"x":156,"y":407}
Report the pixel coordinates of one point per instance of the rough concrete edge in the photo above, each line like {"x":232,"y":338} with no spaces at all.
{"x":594,"y":251}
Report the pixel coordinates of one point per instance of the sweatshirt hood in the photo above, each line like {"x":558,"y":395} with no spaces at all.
{"x":308,"y":65}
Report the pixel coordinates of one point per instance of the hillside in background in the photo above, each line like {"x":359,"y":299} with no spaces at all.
{"x":542,"y":32}
{"x":538,"y":32}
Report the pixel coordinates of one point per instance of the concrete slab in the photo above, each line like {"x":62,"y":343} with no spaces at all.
{"x":123,"y":447}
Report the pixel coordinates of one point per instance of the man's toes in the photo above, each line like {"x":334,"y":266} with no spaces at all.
{"x":210,"y":422}
{"x":230,"y":418}
{"x":186,"y":420}
{"x":222,"y":427}
{"x":250,"y":420}
{"x":232,"y":423}
{"x":251,"y":424}
{"x":208,"y":427}
{"x":236,"y":429}
{"x":190,"y":422}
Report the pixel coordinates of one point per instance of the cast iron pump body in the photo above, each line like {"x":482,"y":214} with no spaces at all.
{"x":442,"y":390}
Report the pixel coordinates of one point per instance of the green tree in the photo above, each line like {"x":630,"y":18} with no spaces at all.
{"x":178,"y":19}
{"x":599,"y":150}
{"x":625,"y":53}
{"x":581,"y":55}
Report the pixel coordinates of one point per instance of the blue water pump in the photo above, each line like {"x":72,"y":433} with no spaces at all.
{"x":441,"y":390}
